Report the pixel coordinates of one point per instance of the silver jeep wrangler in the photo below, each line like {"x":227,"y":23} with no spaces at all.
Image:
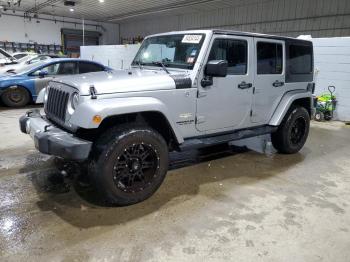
{"x":188,"y":89}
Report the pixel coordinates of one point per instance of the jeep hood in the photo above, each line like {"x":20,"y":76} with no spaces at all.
{"x":119,"y":81}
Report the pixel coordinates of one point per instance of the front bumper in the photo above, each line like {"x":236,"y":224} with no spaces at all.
{"x":51,"y":140}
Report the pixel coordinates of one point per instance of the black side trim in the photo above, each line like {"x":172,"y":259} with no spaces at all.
{"x":182,"y":81}
{"x":193,"y":143}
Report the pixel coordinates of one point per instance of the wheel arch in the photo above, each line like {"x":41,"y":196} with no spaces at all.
{"x":154,"y":119}
{"x":300,"y":98}
{"x":150,"y":109}
{"x":3,"y":90}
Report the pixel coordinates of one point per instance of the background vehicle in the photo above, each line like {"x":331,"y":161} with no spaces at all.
{"x":21,"y":56}
{"x":187,"y":89}
{"x":27,"y":60}
{"x":19,"y":87}
{"x":6,"y":58}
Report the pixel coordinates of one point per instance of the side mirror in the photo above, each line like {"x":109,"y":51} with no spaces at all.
{"x":43,"y":73}
{"x":216,"y":68}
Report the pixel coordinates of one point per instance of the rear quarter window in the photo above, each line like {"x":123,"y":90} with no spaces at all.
{"x":299,"y":62}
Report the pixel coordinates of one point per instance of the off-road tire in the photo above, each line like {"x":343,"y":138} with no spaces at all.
{"x":15,"y":97}
{"x":109,"y":154}
{"x":292,"y":133}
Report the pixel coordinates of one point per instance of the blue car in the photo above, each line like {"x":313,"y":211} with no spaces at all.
{"x":21,"y":86}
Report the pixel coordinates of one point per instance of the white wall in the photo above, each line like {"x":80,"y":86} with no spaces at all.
{"x":332,"y":64}
{"x":114,"y":56}
{"x":16,"y":29}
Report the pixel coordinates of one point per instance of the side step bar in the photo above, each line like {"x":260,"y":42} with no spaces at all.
{"x":200,"y":142}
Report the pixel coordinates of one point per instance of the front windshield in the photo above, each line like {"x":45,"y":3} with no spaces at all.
{"x":178,"y":51}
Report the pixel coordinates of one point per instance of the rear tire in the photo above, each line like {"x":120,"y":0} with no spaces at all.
{"x":129,"y":164}
{"x":292,"y":133}
{"x":15,"y":97}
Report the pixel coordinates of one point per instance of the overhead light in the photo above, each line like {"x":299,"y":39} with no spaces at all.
{"x":101,"y":1}
{"x":71,"y":9}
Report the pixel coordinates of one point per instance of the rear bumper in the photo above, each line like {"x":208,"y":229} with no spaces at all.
{"x":51,"y":140}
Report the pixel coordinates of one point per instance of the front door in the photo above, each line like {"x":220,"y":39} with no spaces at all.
{"x":226,"y":104}
{"x":53,"y":70}
{"x":269,"y":78}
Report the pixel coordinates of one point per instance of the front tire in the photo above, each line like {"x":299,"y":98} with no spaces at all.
{"x":292,"y":133}
{"x":15,"y":97}
{"x":130,"y":163}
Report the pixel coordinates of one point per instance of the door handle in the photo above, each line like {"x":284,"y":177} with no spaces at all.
{"x":245,"y":85}
{"x":278,"y":83}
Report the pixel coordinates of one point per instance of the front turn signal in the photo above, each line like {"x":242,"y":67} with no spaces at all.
{"x":97,"y":119}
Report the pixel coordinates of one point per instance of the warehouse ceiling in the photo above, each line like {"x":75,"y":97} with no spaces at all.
{"x":116,"y":11}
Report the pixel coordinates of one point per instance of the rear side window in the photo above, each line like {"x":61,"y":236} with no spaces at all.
{"x":299,"y":61}
{"x":270,"y":58}
{"x":235,"y":52}
{"x":89,"y":67}
{"x":67,"y":68}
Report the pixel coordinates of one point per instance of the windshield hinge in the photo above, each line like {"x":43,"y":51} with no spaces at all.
{"x":93,"y":92}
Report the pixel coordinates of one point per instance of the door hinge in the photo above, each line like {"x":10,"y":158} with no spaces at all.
{"x":200,"y":119}
{"x":253,"y":90}
{"x":251,"y":113}
{"x":201,"y":94}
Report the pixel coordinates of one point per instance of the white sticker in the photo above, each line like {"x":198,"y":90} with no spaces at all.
{"x":192,"y":39}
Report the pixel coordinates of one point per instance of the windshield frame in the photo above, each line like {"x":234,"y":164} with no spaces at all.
{"x":171,"y":65}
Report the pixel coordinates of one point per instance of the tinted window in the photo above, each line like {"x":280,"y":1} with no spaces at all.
{"x":300,"y":59}
{"x":235,"y":52}
{"x":67,"y":68}
{"x":269,"y":57}
{"x":89,"y":67}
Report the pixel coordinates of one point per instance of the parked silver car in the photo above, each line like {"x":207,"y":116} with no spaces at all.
{"x":185,"y":90}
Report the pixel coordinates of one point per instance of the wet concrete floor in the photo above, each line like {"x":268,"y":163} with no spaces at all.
{"x":222,"y":204}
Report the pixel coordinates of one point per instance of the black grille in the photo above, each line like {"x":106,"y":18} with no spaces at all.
{"x":56,"y":104}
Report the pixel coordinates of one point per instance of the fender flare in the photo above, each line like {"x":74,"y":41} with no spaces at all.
{"x":40,"y":97}
{"x":82,"y":117}
{"x":285,"y":103}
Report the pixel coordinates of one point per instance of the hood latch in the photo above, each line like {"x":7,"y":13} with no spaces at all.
{"x":93,"y":92}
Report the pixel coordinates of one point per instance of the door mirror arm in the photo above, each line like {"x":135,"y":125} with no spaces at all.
{"x":207,"y":81}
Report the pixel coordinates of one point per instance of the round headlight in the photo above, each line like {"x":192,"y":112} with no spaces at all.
{"x":75,"y":100}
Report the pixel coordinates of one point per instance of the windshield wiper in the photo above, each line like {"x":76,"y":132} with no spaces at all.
{"x":158,"y":63}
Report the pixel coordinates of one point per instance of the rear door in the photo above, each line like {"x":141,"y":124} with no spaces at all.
{"x":226,"y":104}
{"x":269,"y":78}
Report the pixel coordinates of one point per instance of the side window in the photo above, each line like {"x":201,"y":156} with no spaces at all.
{"x":300,"y":59}
{"x":67,"y":68}
{"x":89,"y":67}
{"x":235,"y":52}
{"x":51,"y":70}
{"x":269,"y":58}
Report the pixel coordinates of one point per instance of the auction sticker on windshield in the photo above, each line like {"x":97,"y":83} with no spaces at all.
{"x":192,"y":39}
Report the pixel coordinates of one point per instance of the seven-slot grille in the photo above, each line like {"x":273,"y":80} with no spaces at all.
{"x":56,"y":104}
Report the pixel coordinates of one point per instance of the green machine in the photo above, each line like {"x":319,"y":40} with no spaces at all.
{"x":325,"y":105}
